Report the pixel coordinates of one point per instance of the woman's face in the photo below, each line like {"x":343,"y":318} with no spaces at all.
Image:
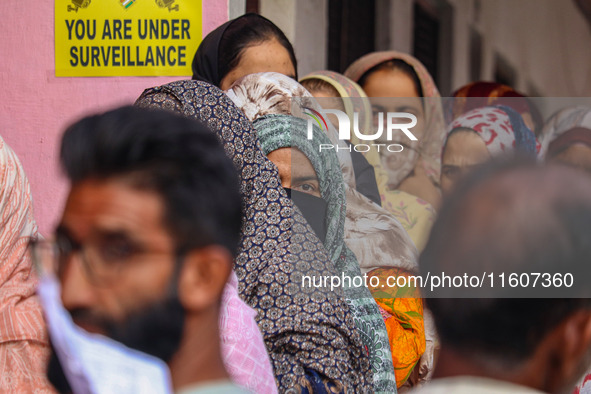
{"x":577,"y":155}
{"x":268,"y":56}
{"x":463,"y":151}
{"x":295,"y":170}
{"x":395,"y":91}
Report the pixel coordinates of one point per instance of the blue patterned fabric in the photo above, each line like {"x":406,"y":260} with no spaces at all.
{"x":525,"y":139}
{"x":309,"y":332}
{"x":286,"y":131}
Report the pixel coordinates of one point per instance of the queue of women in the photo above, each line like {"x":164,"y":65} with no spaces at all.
{"x":371,"y":211}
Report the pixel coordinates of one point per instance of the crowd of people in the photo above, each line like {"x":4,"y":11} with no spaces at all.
{"x":194,"y":215}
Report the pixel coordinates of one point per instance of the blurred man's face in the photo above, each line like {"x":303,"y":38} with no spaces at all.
{"x":119,"y":278}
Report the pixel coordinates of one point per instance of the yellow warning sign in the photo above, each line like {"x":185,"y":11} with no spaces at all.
{"x":104,"y":38}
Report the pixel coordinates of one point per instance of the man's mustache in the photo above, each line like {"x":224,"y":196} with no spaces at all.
{"x":92,"y":321}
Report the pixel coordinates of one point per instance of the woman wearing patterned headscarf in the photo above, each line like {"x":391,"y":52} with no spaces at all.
{"x":24,"y":346}
{"x":408,"y":180}
{"x":384,"y":243}
{"x":282,"y":132}
{"x":309,"y":332}
{"x":567,"y":138}
{"x":479,"y":135}
{"x":374,"y":235}
{"x":397,"y":82}
{"x":403,"y":314}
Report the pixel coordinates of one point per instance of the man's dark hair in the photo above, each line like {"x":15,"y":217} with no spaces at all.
{"x":176,"y":157}
{"x":512,"y":216}
{"x":246,"y":31}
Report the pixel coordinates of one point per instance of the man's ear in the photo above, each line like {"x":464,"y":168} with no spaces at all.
{"x":572,"y":342}
{"x":203,"y":276}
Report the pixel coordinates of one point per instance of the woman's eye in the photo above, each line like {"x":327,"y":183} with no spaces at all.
{"x":307,"y":188}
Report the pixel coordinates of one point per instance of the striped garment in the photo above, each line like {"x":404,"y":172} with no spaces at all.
{"x":24,"y":347}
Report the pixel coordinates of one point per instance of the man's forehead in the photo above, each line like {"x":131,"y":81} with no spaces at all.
{"x":110,"y":205}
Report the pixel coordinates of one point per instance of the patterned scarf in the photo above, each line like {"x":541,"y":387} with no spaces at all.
{"x":501,"y":128}
{"x":309,"y":332}
{"x":24,"y":346}
{"x":429,"y":146}
{"x":284,"y":131}
{"x":273,"y":93}
{"x":373,"y":234}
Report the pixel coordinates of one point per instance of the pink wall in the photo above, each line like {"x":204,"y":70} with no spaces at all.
{"x":36,"y":106}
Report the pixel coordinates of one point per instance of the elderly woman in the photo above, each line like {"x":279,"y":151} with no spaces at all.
{"x":481,"y":93}
{"x":304,"y":169}
{"x":480,"y":135}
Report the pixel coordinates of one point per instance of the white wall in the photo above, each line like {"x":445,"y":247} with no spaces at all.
{"x":236,"y":8}
{"x":547,"y":42}
{"x":305,"y":23}
{"x":393,"y":25}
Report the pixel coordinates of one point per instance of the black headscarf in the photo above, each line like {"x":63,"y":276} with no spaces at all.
{"x":252,"y":28}
{"x":205,"y":61}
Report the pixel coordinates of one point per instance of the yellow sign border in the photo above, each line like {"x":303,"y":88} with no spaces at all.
{"x":101,"y":38}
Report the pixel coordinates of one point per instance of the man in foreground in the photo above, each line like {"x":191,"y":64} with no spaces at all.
{"x":147,"y":239}
{"x":513,"y":218}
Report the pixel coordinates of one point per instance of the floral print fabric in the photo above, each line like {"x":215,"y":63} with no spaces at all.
{"x":501,"y":128}
{"x":309,"y":332}
{"x":285,"y":131}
